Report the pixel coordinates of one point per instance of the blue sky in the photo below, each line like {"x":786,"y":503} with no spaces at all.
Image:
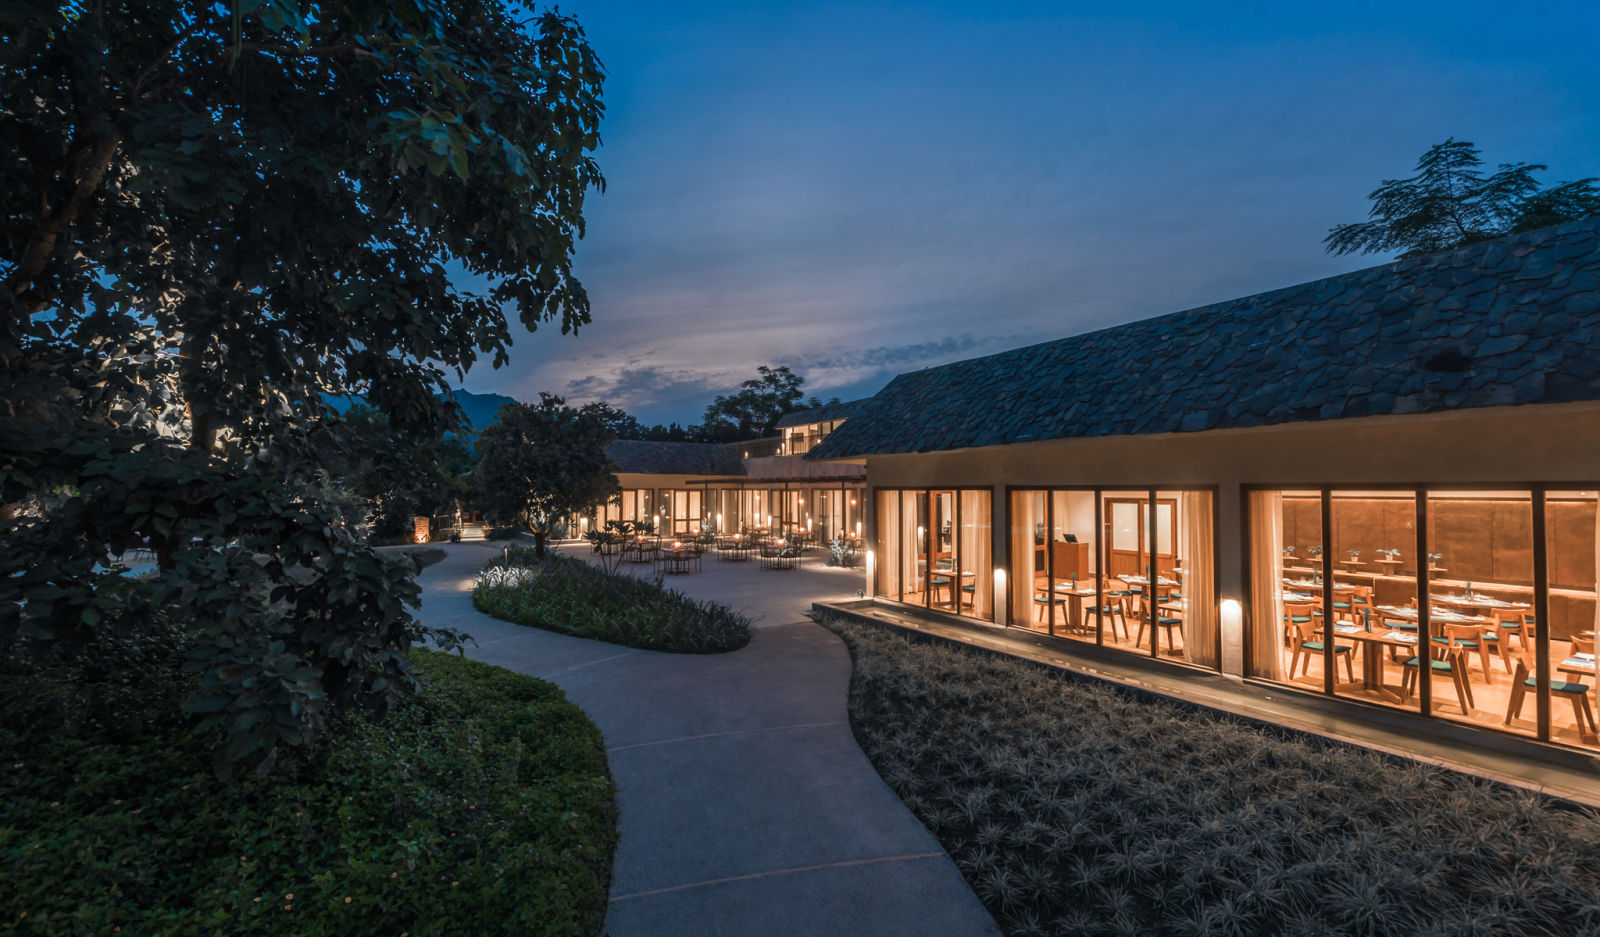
{"x":861,"y":190}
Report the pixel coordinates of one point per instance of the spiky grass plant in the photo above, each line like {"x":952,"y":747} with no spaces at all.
{"x":564,"y":594}
{"x":1073,"y":806}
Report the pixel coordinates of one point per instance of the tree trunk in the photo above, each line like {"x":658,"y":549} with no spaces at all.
{"x":538,"y":543}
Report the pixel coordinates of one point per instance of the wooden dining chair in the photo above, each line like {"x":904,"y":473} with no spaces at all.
{"x":1152,"y":615}
{"x":1307,"y":642}
{"x":1577,"y":693}
{"x":1449,"y":656}
{"x":1117,"y":596}
{"x":1509,"y":626}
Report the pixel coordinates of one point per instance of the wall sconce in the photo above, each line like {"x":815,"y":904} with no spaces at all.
{"x":1232,"y":617}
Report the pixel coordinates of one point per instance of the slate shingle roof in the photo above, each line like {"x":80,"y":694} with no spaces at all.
{"x":1515,"y":320}
{"x":674,"y":458}
{"x":831,"y":411}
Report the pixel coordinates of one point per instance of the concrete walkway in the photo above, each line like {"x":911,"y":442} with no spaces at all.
{"x":747,"y":808}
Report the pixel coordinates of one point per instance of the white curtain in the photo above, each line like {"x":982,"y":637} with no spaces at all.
{"x":1266,"y":576}
{"x":1199,"y":592}
{"x":887,"y":533}
{"x":1022,"y":521}
{"x":975,"y":550}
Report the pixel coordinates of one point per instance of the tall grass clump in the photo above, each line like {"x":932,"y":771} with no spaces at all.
{"x":1074,"y":806}
{"x":563,"y":594}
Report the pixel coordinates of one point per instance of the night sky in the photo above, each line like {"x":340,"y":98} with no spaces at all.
{"x":857,"y":191}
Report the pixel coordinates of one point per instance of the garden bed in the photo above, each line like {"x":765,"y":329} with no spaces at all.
{"x":1074,"y":806}
{"x":560,"y":593}
{"x":483,"y":806}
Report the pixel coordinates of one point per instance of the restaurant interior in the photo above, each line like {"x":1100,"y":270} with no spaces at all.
{"x":1082,"y":562}
{"x":1509,"y":579}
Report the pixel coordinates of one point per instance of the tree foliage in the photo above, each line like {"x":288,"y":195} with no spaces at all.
{"x":543,"y":464}
{"x":754,"y":409}
{"x":394,"y":477}
{"x":214,"y":218}
{"x":1450,"y":202}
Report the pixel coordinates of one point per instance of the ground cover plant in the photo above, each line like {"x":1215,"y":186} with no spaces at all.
{"x":1076,"y":807}
{"x":564,"y":594}
{"x":484,"y":806}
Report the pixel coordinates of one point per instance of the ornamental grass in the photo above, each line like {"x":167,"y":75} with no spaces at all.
{"x":1074,"y":806}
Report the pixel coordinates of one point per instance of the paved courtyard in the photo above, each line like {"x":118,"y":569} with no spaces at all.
{"x":747,"y":807}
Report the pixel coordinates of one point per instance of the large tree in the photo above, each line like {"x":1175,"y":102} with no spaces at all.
{"x":544,"y":464}
{"x":1450,"y":202}
{"x":214,"y":218}
{"x":754,"y":409}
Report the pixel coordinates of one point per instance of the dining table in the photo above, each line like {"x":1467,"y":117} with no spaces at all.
{"x":1373,"y":642}
{"x":1480,"y":601}
{"x":1142,"y":581}
{"x":1074,"y":594}
{"x":1442,"y":616}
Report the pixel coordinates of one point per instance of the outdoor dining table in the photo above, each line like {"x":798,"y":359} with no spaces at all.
{"x":679,"y":558}
{"x":736,"y":548}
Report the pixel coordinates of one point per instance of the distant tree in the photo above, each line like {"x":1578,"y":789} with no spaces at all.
{"x":754,"y":410}
{"x":619,"y":422}
{"x":543,"y":464}
{"x":1449,"y":202}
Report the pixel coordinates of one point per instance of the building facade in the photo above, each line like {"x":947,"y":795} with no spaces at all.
{"x":1378,"y":488}
{"x":682,"y":488}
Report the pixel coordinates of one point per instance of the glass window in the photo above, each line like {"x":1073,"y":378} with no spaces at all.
{"x":1374,"y":652}
{"x":936,"y":549}
{"x":1480,"y":587}
{"x":1572,"y":536}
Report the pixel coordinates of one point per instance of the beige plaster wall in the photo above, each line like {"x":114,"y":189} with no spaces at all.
{"x":1500,"y":445}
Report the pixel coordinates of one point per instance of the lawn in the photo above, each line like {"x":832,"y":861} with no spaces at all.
{"x":1074,"y":806}
{"x":561,"y":593}
{"x":484,"y":806}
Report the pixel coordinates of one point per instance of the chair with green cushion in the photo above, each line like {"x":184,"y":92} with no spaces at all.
{"x":935,"y":584}
{"x":1116,"y":598}
{"x":1301,"y":617}
{"x":1577,"y":693}
{"x":969,"y":595}
{"x":1453,"y":647}
{"x":1043,"y":600}
{"x":1158,"y":619}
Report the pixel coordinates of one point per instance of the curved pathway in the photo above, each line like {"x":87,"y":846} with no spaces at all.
{"x":747,"y":807}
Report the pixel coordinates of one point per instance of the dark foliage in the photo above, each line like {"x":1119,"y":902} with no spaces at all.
{"x":570,"y":596}
{"x":214,"y":221}
{"x":1075,"y":807}
{"x":1449,"y":202}
{"x":484,"y":808}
